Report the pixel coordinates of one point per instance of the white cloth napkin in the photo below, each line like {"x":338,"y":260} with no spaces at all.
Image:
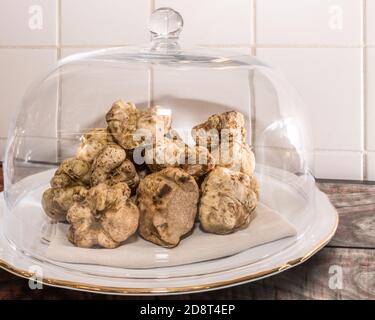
{"x":267,"y":226}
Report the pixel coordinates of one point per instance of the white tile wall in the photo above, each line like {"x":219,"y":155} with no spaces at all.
{"x":370,"y":21}
{"x":98,"y":22}
{"x":19,"y":68}
{"x":371,"y":166}
{"x":371,"y":99}
{"x":345,"y":165}
{"x":329,"y":80}
{"x":326,"y":48}
{"x":212,"y":22}
{"x":28,"y":22}
{"x":322,"y":22}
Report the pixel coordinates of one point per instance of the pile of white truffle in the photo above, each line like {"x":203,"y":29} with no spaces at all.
{"x":107,"y":195}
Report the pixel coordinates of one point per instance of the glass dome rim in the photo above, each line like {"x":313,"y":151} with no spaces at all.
{"x":192,"y":57}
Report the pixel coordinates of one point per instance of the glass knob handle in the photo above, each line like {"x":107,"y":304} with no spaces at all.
{"x":165,"y":23}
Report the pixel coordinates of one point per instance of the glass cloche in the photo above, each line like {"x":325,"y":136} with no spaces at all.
{"x":129,"y":160}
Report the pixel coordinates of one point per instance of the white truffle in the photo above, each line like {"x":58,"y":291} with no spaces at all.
{"x":228,"y":201}
{"x":105,"y":218}
{"x":167,"y":201}
{"x":131,"y":127}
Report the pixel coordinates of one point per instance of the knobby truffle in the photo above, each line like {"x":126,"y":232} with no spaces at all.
{"x":235,"y":156}
{"x":228,"y":201}
{"x":130,"y":127}
{"x":57,"y":201}
{"x":105,"y":218}
{"x":72,"y":172}
{"x":92,"y":142}
{"x":228,"y":127}
{"x":167,"y":201}
{"x":196,"y":160}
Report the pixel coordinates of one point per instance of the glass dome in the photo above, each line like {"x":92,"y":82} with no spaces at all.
{"x":102,"y":141}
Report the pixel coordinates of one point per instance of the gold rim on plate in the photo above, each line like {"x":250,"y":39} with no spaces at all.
{"x":185,"y":289}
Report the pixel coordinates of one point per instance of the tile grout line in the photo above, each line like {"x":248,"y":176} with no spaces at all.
{"x":252,"y":119}
{"x":29,"y":46}
{"x":218,"y":45}
{"x":364,"y":104}
{"x":251,"y":78}
{"x":308,"y":45}
{"x":58,"y":25}
{"x":150,"y":71}
{"x":338,"y":150}
{"x":254,"y":34}
{"x":152,"y":9}
{"x":59,"y":89}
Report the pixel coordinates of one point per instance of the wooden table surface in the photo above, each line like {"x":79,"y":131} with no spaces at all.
{"x":350,"y":254}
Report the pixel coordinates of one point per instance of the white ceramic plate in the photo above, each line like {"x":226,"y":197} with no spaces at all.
{"x":316,"y":223}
